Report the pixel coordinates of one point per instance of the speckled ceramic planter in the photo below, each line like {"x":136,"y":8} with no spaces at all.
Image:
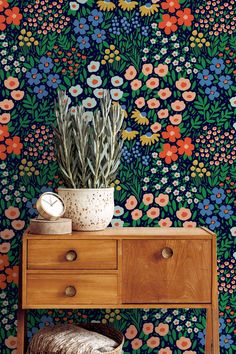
{"x":89,"y":209}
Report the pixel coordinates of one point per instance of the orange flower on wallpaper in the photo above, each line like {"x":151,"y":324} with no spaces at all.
{"x":5,"y":247}
{"x":183,"y":84}
{"x":161,"y":70}
{"x":164,"y":93}
{"x":3,"y":149}
{"x":168,"y":24}
{"x":17,"y":95}
{"x":4,"y":261}
{"x":162,"y":199}
{"x":148,"y":198}
{"x":136,"y":84}
{"x":11,"y":83}
{"x":156,"y":127}
{"x":176,"y":119}
{"x":3,"y":279}
{"x":153,"y":103}
{"x":189,"y":224}
{"x":147,"y":69}
{"x":11,"y":342}
{"x":131,"y":202}
{"x":178,"y":105}
{"x":2,"y":23}
{"x":183,"y":343}
{"x":5,"y":118}
{"x":185,"y":17}
{"x":7,"y":234}
{"x":163,"y":113}
{"x":169,"y":153}
{"x":18,"y":224}
{"x":172,"y":133}
{"x":136,"y":214}
{"x":13,"y":16}
{"x":12,"y":274}
{"x":140,"y":102}
{"x":183,"y":214}
{"x":136,"y":343}
{"x":148,"y":328}
{"x":3,"y":5}
{"x":152,"y":83}
{"x":14,"y":145}
{"x":166,"y":350}
{"x":185,"y":146}
{"x":162,"y":329}
{"x":6,"y":104}
{"x":189,"y":96}
{"x":153,"y":213}
{"x":170,"y":5}
{"x":131,"y":332}
{"x":153,"y":342}
{"x":165,"y":222}
{"x":130,"y":73}
{"x":3,"y":132}
{"x":12,"y":213}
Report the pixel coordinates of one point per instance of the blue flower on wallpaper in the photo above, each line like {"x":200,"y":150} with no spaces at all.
{"x":217,"y":65}
{"x":212,"y":222}
{"x":225,"y":82}
{"x":33,"y":76}
{"x":226,"y":341}
{"x":212,"y":92}
{"x":222,"y":324}
{"x":31,"y":207}
{"x":81,"y":26}
{"x":99,"y":35}
{"x":205,"y":207}
{"x":53,"y":80}
{"x":83,"y":42}
{"x":46,"y":64}
{"x":205,"y":78}
{"x":201,"y":336}
{"x":226,"y":211}
{"x":218,"y":195}
{"x":40,"y":91}
{"x":96,"y":17}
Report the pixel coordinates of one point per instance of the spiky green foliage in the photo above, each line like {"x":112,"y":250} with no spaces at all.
{"x":88,"y":151}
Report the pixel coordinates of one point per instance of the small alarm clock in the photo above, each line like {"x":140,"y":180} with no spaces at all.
{"x":50,"y":206}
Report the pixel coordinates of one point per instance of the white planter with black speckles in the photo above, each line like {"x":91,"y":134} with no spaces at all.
{"x":89,"y":209}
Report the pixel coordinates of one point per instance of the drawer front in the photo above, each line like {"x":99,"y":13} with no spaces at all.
{"x":72,"y":254}
{"x":166,"y":271}
{"x":52,"y":290}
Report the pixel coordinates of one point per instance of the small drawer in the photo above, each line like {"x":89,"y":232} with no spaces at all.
{"x":72,"y":254}
{"x":52,"y":290}
{"x":166,"y":271}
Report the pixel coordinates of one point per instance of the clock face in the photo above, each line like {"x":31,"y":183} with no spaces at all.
{"x":52,"y":204}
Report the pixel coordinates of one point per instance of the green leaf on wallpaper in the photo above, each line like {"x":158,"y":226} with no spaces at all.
{"x":67,"y":81}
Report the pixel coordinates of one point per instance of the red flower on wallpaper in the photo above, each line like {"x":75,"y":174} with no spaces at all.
{"x":185,"y":17}
{"x":12,"y":274}
{"x":14,"y":145}
{"x":172,"y":133}
{"x":13,"y":16}
{"x":3,"y":132}
{"x":3,"y":5}
{"x":3,"y":284}
{"x":169,"y":153}
{"x":168,"y":24}
{"x":185,"y":146}
{"x":2,"y":23}
{"x":2,"y":152}
{"x":170,"y":5}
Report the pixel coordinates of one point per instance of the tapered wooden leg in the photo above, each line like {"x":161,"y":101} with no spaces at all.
{"x":215,"y":325}
{"x":21,"y":331}
{"x":209,"y":331}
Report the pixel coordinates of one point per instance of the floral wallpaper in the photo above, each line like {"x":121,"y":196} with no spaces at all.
{"x":171,"y":65}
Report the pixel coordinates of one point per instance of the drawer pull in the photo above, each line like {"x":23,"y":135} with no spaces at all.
{"x":70,"y":291}
{"x":71,"y":256}
{"x":167,"y":252}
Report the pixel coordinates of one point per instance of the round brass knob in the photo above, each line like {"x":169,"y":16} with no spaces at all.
{"x":70,"y":291}
{"x":167,"y":252}
{"x":71,"y":256}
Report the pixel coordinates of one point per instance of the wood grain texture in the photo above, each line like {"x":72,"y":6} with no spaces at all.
{"x":43,"y":290}
{"x":48,"y":254}
{"x":185,"y":277}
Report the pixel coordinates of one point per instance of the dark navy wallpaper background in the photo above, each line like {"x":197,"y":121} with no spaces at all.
{"x":171,"y":65}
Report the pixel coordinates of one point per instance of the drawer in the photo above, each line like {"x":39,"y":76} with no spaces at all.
{"x":72,"y":254}
{"x":52,"y":290}
{"x":166,"y":271}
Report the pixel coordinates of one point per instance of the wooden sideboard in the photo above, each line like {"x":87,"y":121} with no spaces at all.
{"x":121,"y":268}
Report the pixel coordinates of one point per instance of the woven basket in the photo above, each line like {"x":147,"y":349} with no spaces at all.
{"x":93,"y":327}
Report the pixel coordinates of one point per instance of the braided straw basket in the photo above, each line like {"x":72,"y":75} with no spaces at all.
{"x":61,"y":339}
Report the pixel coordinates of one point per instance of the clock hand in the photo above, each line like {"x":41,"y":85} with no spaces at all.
{"x":54,"y":202}
{"x":46,"y":202}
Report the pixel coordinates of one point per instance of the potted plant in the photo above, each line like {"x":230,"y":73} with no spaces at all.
{"x":88,"y":149}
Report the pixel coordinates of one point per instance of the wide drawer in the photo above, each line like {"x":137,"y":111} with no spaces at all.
{"x":166,"y":271}
{"x":52,"y":290}
{"x":72,"y":254}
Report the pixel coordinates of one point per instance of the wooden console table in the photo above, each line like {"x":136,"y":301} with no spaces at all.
{"x":121,"y":268}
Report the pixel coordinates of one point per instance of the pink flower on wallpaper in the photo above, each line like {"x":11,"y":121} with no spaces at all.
{"x":131,"y":332}
{"x":148,"y":328}
{"x":136,"y":343}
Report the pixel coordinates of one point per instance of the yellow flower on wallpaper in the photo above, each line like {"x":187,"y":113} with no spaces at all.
{"x":140,"y":117}
{"x":127,"y":5}
{"x":106,"y":5}
{"x":148,"y":9}
{"x":149,"y":138}
{"x":129,"y":134}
